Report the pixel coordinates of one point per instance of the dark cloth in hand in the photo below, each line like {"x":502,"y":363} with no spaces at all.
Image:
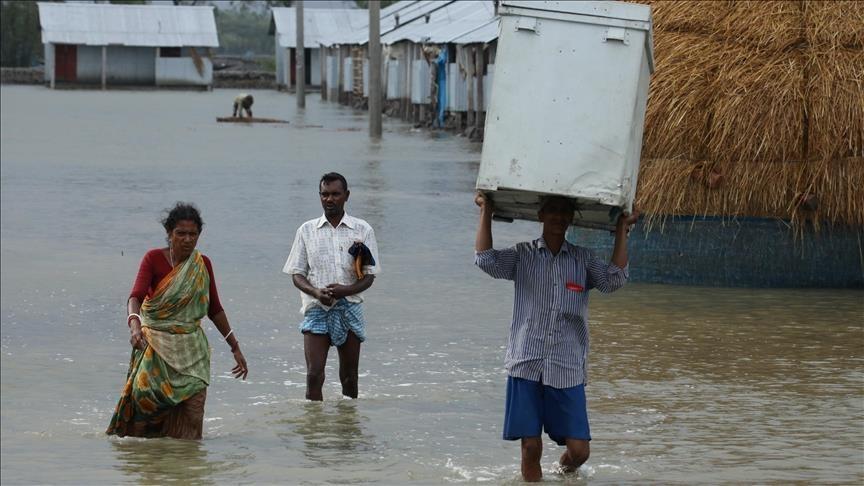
{"x":362,"y":257}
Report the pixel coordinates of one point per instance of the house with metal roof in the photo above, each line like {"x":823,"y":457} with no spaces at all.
{"x":322,"y":28}
{"x":438,"y":30}
{"x":438,"y":57}
{"x":103,"y":44}
{"x":345,"y":72}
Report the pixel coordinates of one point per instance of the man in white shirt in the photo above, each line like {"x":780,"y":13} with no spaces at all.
{"x":331,"y":285}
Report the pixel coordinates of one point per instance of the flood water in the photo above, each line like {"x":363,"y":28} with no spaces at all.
{"x":687,"y":385}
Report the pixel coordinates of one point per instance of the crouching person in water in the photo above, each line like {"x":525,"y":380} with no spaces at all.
{"x":242,"y":102}
{"x":547,"y":352}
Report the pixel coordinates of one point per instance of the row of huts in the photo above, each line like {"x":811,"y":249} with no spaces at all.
{"x":438,"y":55}
{"x":437,"y":62}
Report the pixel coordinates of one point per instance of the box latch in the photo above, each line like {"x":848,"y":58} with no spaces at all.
{"x":528,"y":24}
{"x":619,"y":34}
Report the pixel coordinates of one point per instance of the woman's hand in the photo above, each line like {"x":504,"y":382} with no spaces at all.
{"x":136,"y":338}
{"x":241,"y":370}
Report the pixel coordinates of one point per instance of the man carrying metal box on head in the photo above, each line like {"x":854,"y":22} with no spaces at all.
{"x":547,"y":352}
{"x":562,"y":144}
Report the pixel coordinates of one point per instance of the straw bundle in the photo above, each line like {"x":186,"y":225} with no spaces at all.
{"x":780,"y":23}
{"x":757,"y":112}
{"x":835,"y":105}
{"x":764,"y":189}
{"x":837,"y":184}
{"x":774,"y":25}
{"x":676,"y":121}
{"x":692,"y":16}
{"x":834,"y":23}
{"x":756,"y":109}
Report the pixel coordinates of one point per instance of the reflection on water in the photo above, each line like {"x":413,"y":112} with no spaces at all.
{"x":160,"y":461}
{"x":332,"y":433}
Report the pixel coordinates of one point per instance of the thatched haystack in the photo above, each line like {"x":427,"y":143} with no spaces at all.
{"x":756,"y":109}
{"x":837,"y":23}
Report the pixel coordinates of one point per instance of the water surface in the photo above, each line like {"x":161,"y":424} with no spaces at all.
{"x":687,"y":385}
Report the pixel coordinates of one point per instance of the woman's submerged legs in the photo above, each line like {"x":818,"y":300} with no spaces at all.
{"x":186,"y":420}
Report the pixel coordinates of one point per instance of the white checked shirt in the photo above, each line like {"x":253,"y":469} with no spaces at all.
{"x":549,"y":332}
{"x":320,"y":253}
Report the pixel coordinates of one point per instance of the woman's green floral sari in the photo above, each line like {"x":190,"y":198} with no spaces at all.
{"x":175,"y":364}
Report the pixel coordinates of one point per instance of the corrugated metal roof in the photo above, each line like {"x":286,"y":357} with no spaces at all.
{"x":445,"y":24}
{"x":321,"y":26}
{"x":414,"y":12}
{"x":481,"y":35}
{"x":128,"y":25}
{"x":397,"y":6}
{"x":408,"y":12}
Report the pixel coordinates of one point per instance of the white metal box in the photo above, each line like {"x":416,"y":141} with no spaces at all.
{"x":567,"y":109}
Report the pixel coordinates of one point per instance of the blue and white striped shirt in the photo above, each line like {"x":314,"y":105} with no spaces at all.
{"x":549,"y":333}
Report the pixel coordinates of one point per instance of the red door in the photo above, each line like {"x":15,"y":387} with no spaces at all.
{"x":65,"y":62}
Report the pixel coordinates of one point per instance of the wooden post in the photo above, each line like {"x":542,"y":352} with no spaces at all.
{"x":409,"y":71}
{"x":53,"y":66}
{"x":322,"y":58}
{"x":300,"y":57}
{"x":104,"y":65}
{"x":375,"y":68}
{"x":481,"y":111}
{"x":469,"y":81}
{"x":340,"y":75}
{"x":286,"y":68}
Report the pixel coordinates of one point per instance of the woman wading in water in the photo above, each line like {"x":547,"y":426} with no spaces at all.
{"x":169,"y":372}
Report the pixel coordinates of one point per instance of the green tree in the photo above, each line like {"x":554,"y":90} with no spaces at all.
{"x":20,"y":36}
{"x":243,"y":30}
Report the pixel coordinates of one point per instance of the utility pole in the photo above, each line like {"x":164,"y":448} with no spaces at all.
{"x":300,"y":57}
{"x":375,"y":68}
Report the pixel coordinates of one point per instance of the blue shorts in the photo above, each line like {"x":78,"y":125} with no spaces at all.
{"x":344,"y":316}
{"x":533,"y":407}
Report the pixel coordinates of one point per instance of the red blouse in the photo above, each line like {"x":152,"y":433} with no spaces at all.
{"x":154,"y":267}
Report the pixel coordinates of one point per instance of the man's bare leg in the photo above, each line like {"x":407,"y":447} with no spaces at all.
{"x":576,"y":454}
{"x":349,"y":364}
{"x":532,"y":451}
{"x":315,"y":347}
